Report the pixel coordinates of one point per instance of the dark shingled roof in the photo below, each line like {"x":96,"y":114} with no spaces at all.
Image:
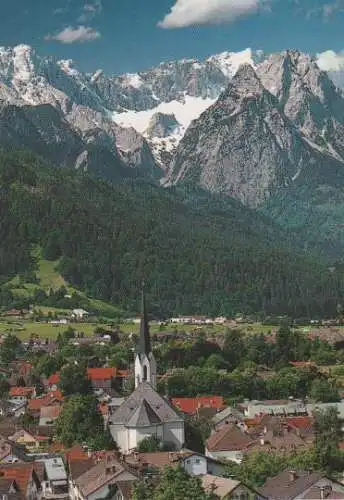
{"x":144,"y":416}
{"x":283,"y":487}
{"x":145,"y":392}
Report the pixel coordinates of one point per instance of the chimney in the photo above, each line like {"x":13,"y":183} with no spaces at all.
{"x":322,"y":492}
{"x":262,"y":441}
{"x":292,"y":476}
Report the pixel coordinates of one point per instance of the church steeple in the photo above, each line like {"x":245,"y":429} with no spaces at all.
{"x":144,"y":346}
{"x":145,"y":365}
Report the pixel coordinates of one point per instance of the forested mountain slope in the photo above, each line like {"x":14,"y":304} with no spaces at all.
{"x":198,"y":253}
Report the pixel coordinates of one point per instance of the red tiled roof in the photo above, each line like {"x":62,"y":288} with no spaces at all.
{"x":191,"y":405}
{"x":21,"y":473}
{"x":101,"y":373}
{"x":76,"y":453}
{"x":21,"y":391}
{"x":37,"y":403}
{"x":300,"y":422}
{"x":54,"y":379}
{"x":93,"y":374}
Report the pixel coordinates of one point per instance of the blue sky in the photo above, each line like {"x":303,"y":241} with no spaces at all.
{"x":125,"y":35}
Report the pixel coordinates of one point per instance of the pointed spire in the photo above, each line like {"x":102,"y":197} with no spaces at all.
{"x":144,"y":342}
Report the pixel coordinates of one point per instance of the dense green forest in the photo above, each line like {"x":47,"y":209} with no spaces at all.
{"x":198,"y":253}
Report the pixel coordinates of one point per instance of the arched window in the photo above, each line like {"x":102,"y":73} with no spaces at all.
{"x":145,"y":373}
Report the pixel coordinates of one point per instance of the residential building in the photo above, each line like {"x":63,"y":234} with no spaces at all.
{"x":26,"y":478}
{"x":274,"y":407}
{"x":31,"y":441}
{"x":102,"y":378}
{"x":9,"y":489}
{"x":299,"y":484}
{"x":226,"y":416}
{"x":90,"y":480}
{"x":79,"y":314}
{"x":229,"y":489}
{"x":52,"y":398}
{"x":11,"y":452}
{"x":229,"y":443}
{"x":21,"y":394}
{"x":48,"y":414}
{"x":55,"y":484}
{"x":195,"y":464}
{"x":145,"y":413}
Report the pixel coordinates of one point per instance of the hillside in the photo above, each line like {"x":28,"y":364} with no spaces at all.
{"x":199,"y":253}
{"x":46,"y":278}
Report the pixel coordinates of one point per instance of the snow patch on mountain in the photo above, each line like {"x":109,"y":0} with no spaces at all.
{"x":230,"y":62}
{"x":185,"y":111}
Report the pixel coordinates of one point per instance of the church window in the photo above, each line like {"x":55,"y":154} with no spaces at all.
{"x":145,"y":373}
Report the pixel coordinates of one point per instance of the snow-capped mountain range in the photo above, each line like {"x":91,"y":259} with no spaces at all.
{"x":131,"y":120}
{"x":134,"y":102}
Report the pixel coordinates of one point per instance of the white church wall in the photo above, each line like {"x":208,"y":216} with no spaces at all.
{"x":120,"y":435}
{"x":138,"y":435}
{"x":174,"y":433}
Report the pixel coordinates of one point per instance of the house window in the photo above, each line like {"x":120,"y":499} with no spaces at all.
{"x":197,"y":461}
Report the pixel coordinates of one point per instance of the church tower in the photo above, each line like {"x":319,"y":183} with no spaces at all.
{"x":145,"y":364}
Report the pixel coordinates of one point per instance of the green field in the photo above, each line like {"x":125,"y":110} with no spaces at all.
{"x":24,"y":329}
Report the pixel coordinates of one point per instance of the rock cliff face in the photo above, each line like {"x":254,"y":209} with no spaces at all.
{"x":279,"y":126}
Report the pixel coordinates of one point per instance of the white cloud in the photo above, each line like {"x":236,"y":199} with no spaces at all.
{"x":197,"y":12}
{"x":330,"y":60}
{"x":73,"y":35}
{"x":90,"y":10}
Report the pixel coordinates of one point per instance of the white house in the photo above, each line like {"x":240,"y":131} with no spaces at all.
{"x":199,"y":465}
{"x":79,"y":314}
{"x":145,"y":413}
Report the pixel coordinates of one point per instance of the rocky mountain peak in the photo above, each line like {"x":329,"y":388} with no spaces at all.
{"x":162,"y":125}
{"x":246,"y":81}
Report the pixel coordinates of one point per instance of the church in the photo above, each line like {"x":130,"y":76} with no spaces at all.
{"x":145,"y":413}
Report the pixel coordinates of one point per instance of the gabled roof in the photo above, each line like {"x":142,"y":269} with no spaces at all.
{"x":48,"y":399}
{"x":77,"y":452}
{"x":22,"y":473}
{"x":78,"y":467}
{"x":161,"y":407}
{"x":191,"y":405}
{"x":220,"y":485}
{"x":144,"y":416}
{"x":287,"y":486}
{"x":101,"y":373}
{"x":228,"y":438}
{"x":104,"y":472}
